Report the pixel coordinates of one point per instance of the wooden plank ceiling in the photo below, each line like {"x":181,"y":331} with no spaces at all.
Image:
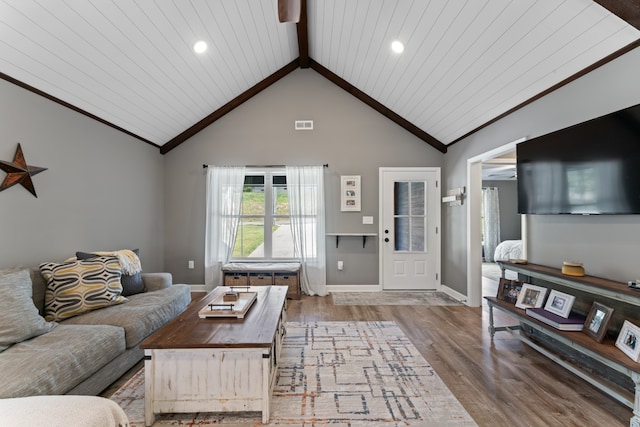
{"x":130,"y":64}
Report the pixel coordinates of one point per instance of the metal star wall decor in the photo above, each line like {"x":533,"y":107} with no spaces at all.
{"x":19,"y":172}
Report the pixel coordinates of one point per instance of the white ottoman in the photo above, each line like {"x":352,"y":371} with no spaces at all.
{"x":61,"y":411}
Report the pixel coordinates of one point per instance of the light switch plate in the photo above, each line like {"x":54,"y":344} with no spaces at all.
{"x":367,"y":220}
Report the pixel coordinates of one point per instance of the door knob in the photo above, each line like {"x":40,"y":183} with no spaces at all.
{"x":386,"y":231}
{"x":386,"y":239}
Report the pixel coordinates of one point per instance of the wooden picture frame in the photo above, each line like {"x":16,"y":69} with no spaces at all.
{"x":350,"y":193}
{"x":531,"y":296}
{"x":509,"y":290}
{"x":597,"y":321}
{"x":629,"y":340}
{"x":559,"y":303}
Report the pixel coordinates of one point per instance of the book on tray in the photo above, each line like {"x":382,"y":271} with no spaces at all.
{"x":574,"y":322}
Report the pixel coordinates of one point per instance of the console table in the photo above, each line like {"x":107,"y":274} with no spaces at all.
{"x":216,"y":364}
{"x":606,"y":353}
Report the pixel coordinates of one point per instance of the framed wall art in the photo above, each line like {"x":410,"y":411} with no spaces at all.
{"x":350,"y":193}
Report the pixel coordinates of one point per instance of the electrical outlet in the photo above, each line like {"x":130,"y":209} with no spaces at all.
{"x":191,"y":264}
{"x":340,"y":265}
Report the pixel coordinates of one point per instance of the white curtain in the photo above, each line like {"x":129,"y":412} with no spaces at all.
{"x":224,"y":199}
{"x":491,"y":215}
{"x":305,"y":185}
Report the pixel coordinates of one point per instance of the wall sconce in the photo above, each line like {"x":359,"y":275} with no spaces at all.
{"x":455,"y":196}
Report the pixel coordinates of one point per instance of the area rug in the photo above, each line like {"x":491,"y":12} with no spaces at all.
{"x":343,"y":374}
{"x":393,"y":298}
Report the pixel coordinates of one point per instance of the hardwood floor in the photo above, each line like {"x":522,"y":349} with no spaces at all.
{"x":500,"y":382}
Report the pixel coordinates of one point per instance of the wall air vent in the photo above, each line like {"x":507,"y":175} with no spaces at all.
{"x":304,"y":125}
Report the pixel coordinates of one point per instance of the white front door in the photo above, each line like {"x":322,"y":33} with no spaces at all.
{"x":410,"y":228}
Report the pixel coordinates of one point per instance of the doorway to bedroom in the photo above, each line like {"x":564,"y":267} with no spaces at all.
{"x":475,"y":246}
{"x":500,"y":221}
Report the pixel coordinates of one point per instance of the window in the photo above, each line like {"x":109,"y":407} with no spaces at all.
{"x":264,"y":230}
{"x":409,"y":215}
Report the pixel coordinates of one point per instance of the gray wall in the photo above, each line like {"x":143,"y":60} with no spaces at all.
{"x":103,"y":190}
{"x":510,"y":223}
{"x":348,"y":135}
{"x":607,"y":245}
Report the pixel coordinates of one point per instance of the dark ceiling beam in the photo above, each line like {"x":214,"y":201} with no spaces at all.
{"x":557,"y":86}
{"x":394,"y":117}
{"x":72,"y":107}
{"x":229,"y":106}
{"x":303,"y":35}
{"x":627,"y":10}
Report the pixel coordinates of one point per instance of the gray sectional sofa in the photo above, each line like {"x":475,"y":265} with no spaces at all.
{"x":85,"y":353}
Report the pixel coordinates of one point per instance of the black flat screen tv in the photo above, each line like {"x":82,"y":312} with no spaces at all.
{"x":592,"y":168}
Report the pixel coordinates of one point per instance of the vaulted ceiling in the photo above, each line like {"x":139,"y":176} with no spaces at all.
{"x":130,"y":63}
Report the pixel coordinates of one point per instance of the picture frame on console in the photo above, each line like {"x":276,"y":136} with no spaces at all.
{"x":509,"y":290}
{"x":559,"y":303}
{"x":598,"y":320}
{"x":629,"y":340}
{"x":531,"y":296}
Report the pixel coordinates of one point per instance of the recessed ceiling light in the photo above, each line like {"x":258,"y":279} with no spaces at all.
{"x":397,"y":46}
{"x":200,"y":46}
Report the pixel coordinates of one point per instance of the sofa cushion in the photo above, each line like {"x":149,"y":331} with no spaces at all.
{"x":19,"y":317}
{"x":131,"y":282}
{"x":142,"y":315}
{"x":56,"y":362}
{"x":75,"y":287}
{"x":157,"y":281}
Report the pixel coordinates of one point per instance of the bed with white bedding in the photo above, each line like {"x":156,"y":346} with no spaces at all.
{"x":508,"y":249}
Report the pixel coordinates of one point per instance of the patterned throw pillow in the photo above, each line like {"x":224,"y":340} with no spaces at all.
{"x":131,"y":283}
{"x":79,"y":286}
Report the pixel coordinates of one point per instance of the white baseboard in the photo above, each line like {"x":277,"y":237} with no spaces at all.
{"x":199,"y":288}
{"x":330,"y":288}
{"x":358,"y":288}
{"x":454,"y":294}
{"x":353,"y":288}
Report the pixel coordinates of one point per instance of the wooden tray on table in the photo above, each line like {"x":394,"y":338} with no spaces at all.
{"x":218,"y":307}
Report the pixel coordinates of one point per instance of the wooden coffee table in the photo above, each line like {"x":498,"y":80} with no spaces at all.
{"x":195,"y":364}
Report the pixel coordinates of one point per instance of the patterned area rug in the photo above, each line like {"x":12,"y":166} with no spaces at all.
{"x":393,"y":298}
{"x":346,"y":374}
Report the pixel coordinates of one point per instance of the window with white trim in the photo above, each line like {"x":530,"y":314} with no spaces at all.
{"x":264,"y":230}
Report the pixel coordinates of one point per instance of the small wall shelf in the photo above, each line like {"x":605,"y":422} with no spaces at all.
{"x":363,"y":235}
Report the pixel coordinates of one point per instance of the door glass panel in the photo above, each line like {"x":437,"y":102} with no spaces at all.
{"x":417,"y":235}
{"x":409,"y":216}
{"x":417,"y":198}
{"x":401,"y":198}
{"x":401,"y":237}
